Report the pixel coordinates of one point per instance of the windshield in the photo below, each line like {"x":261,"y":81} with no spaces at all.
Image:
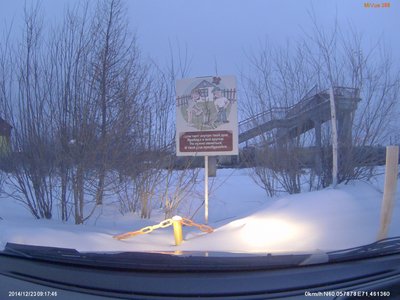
{"x":214,"y":127}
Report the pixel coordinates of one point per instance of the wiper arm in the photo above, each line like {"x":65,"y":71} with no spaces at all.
{"x":383,"y":247}
{"x":153,"y":261}
{"x":39,"y":251}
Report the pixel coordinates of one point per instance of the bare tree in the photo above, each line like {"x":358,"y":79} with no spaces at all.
{"x":102,"y":88}
{"x":335,"y":58}
{"x":120,"y":81}
{"x":340,"y":58}
{"x":26,"y":98}
{"x":90,"y":117}
{"x":277,"y":80}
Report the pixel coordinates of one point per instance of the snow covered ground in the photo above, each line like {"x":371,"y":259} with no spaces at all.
{"x":244,"y":219}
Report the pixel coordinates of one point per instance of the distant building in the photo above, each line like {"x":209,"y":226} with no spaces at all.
{"x":5,"y":135}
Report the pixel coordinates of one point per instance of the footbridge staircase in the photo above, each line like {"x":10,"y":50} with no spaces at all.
{"x":309,"y":113}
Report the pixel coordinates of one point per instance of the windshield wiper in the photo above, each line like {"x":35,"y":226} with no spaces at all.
{"x":210,"y":261}
{"x":160,"y":261}
{"x":383,"y":247}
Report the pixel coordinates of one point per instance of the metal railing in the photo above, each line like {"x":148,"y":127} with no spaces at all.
{"x":309,"y":101}
{"x":263,"y":117}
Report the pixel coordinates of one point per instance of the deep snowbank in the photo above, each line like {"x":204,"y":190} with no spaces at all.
{"x":243,"y":218}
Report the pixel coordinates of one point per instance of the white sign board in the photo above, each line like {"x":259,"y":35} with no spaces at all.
{"x":206,"y":116}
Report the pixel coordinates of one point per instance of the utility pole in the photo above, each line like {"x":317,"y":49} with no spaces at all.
{"x":334,"y":139}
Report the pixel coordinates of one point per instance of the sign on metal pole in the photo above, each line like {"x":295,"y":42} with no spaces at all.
{"x":206,"y":116}
{"x":206,"y":120}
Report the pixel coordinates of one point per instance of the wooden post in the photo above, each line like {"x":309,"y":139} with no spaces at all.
{"x":334,"y":139}
{"x":389,"y":193}
{"x":206,"y":189}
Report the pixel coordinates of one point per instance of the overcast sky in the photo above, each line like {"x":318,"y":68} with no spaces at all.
{"x":218,"y":32}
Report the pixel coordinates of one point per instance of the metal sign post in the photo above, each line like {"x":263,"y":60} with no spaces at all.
{"x":206,"y":121}
{"x":206,"y":189}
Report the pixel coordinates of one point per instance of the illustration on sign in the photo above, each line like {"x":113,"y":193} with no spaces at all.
{"x":206,"y":116}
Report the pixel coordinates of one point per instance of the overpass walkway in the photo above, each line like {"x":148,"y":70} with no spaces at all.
{"x":309,"y":112}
